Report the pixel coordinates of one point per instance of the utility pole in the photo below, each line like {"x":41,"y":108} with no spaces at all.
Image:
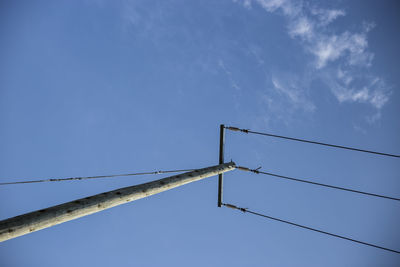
{"x":37,"y":220}
{"x":221,"y":161}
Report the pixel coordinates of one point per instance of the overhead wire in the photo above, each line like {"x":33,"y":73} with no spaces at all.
{"x":245,"y":210}
{"x":93,"y":177}
{"x":310,"y":141}
{"x":257,"y":171}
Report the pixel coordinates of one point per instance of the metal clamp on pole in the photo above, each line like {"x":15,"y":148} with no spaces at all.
{"x":235,"y":129}
{"x":234,"y":207}
{"x":248,"y":169}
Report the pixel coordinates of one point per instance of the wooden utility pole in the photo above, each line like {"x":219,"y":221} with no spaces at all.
{"x":37,"y":220}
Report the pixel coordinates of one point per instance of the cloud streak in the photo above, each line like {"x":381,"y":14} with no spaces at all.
{"x":373,"y":91}
{"x":341,"y":61}
{"x":288,"y":87}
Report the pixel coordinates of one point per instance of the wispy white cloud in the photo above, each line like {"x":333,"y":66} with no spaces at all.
{"x":288,"y":7}
{"x":232,"y":81}
{"x":329,"y":48}
{"x":305,"y":23}
{"x":301,"y":27}
{"x":374,"y":118}
{"x":348,"y":87}
{"x":359,"y":129}
{"x":341,"y":60}
{"x":256,"y":52}
{"x":293,"y":90}
{"x":286,"y":100}
{"x":326,"y":16}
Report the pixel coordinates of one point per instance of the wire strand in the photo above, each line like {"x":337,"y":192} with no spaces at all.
{"x":308,"y":228}
{"x":93,"y":177}
{"x":315,"y":183}
{"x":311,"y":142}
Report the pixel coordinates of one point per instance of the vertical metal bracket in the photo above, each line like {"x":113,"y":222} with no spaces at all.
{"x":221,"y":160}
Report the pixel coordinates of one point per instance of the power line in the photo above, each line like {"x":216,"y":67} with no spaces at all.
{"x":308,"y":228}
{"x":92,"y":177}
{"x":311,"y":142}
{"x":315,"y":183}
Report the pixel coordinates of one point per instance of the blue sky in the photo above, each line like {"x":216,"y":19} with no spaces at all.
{"x":104,"y":87}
